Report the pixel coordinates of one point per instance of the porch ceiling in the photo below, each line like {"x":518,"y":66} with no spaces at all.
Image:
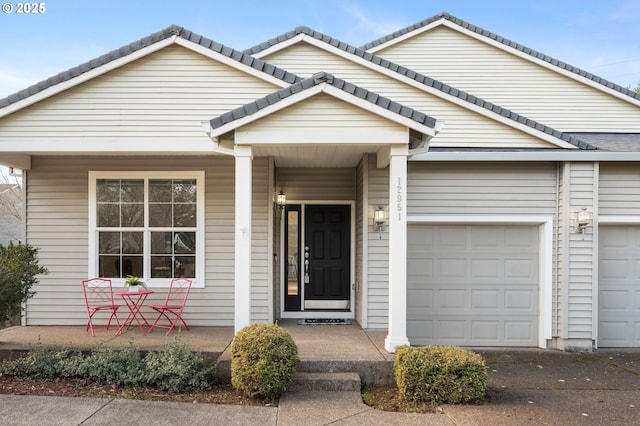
{"x":332,"y":155}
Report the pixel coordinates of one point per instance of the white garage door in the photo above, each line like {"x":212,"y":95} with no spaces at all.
{"x":619,"y":287}
{"x":472,"y":285}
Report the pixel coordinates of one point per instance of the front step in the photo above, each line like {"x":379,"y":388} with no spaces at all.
{"x":325,"y":382}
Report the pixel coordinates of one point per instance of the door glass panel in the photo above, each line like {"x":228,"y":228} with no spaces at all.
{"x":293,"y":248}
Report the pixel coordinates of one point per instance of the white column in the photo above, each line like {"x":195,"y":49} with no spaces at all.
{"x":242,"y":311}
{"x":397,"y":249}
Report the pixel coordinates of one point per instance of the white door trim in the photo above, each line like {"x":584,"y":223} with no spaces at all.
{"x":545,"y":224}
{"x":352,"y":258}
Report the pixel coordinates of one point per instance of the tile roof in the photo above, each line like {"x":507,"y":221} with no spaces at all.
{"x":613,"y":142}
{"x":506,"y":42}
{"x":316,"y":79}
{"x":168,"y":32}
{"x":420,"y":78}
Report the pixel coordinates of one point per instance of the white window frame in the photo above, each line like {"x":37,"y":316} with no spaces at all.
{"x":94,"y":176}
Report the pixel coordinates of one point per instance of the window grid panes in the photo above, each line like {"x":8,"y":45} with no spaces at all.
{"x":159,"y":212}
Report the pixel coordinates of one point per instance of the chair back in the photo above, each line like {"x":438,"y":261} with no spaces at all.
{"x":97,"y":292}
{"x":178,"y":292}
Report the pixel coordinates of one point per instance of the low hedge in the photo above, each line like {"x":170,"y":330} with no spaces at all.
{"x":444,"y":374}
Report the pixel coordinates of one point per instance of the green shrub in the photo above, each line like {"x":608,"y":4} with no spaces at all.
{"x":264,"y":358}
{"x":41,"y":363}
{"x":108,"y":366}
{"x":18,"y":270}
{"x":445,"y":374}
{"x":178,"y":369}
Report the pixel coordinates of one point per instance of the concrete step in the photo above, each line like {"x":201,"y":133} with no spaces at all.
{"x":325,"y":382}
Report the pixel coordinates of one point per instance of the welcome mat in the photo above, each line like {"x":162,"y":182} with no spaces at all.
{"x":324,"y":321}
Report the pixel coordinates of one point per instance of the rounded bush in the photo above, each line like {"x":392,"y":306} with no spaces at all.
{"x":264,"y":358}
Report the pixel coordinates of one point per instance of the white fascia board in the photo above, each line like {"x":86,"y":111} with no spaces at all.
{"x":406,"y":36}
{"x":115,"y":146}
{"x":332,"y":91}
{"x":17,"y":161}
{"x":440,"y":94}
{"x":230,"y":62}
{"x":84,"y":77}
{"x":540,"y":62}
{"x":280,"y":46}
{"x":282,"y":104}
{"x":377,"y":110}
{"x":591,"y":155}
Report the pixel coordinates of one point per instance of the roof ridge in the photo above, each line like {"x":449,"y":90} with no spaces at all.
{"x":507,"y":42}
{"x":314,"y":80}
{"x":170,"y":31}
{"x":420,"y":78}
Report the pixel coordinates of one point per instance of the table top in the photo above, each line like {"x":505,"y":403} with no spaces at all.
{"x":133,"y":293}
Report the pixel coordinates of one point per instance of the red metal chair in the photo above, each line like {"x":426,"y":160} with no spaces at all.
{"x":173,"y":306}
{"x":98,"y":296}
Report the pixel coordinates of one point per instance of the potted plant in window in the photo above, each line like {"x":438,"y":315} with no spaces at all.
{"x":134,"y":283}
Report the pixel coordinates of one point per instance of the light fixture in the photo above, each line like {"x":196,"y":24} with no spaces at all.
{"x":281,"y":199}
{"x":379,"y":218}
{"x":583,"y":219}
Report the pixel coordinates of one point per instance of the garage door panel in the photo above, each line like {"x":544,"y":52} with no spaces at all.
{"x":485,"y":269}
{"x":518,"y":300}
{"x":483,"y":281}
{"x":619,"y":287}
{"x":451,"y":299}
{"x":485,"y":299}
{"x":486,"y":331}
{"x":519,"y":331}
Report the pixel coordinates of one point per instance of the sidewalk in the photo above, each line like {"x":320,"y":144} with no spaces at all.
{"x":526,"y":387}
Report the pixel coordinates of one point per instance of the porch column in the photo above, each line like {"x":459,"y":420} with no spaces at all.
{"x":242,"y":318}
{"x":397,"y":249}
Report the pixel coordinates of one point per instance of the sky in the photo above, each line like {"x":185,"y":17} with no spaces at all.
{"x":599,"y":36}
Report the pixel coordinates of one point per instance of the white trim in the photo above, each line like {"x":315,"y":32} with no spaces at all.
{"x":352,"y":259}
{"x":243,"y":236}
{"x":111,"y":146}
{"x":270,"y":241}
{"x":484,"y":39}
{"x":131,"y":57}
{"x":364,"y":285}
{"x":540,"y":62}
{"x":406,"y":36}
{"x":618,"y":220}
{"x":549,"y":155}
{"x":18,"y":161}
{"x":94,"y":175}
{"x":313,"y":91}
{"x":439,"y":93}
{"x":397,"y":219}
{"x":545,"y":224}
{"x":205,"y":51}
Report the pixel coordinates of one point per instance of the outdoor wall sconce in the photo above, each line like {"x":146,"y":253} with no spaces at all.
{"x":379,"y":218}
{"x":281,"y":199}
{"x":583,"y":219}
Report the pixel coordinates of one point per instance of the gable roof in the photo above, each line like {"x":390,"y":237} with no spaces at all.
{"x":443,"y":16}
{"x":410,"y":117}
{"x":168,"y":33}
{"x":421,"y":79}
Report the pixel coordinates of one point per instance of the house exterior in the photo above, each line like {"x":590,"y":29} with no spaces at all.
{"x":442,"y":183}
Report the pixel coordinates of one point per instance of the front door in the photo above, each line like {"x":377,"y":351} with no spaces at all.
{"x":321,"y":280}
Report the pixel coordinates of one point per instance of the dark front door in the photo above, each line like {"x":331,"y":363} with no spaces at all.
{"x":326,"y":257}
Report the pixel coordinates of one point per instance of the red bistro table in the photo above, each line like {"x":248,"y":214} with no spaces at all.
{"x":134,"y":301}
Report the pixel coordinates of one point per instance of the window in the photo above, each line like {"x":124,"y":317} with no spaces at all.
{"x":148,"y":226}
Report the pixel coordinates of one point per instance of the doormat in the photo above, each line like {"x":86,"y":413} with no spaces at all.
{"x":324,"y":321}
